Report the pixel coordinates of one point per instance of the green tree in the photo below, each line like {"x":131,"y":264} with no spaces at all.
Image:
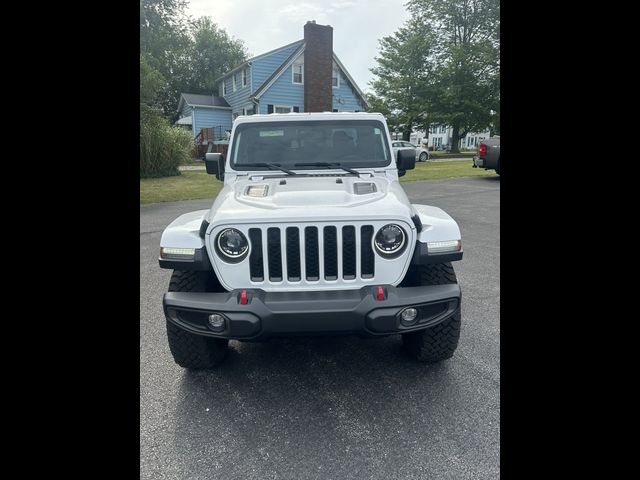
{"x":466,"y":85}
{"x":152,"y":83}
{"x":213,"y":53}
{"x":380,"y":105}
{"x":403,"y":77}
{"x":165,"y":44}
{"x":446,"y":63}
{"x":163,"y":31}
{"x":189,"y":54}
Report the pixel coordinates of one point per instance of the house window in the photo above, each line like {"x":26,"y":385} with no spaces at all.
{"x":335,"y":77}
{"x":281,"y":109}
{"x":244,"y":77}
{"x":250,"y":111}
{"x":234,"y":81}
{"x":224,"y":88}
{"x":298,"y":70}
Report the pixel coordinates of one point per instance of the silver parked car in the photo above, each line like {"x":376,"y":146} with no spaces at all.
{"x":422,"y":154}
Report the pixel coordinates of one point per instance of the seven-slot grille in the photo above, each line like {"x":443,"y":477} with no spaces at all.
{"x":312,"y":253}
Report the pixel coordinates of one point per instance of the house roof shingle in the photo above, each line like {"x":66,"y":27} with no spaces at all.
{"x":246,"y":62}
{"x":213,"y":101}
{"x":206,"y":100}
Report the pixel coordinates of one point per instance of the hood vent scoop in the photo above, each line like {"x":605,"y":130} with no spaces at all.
{"x":361,"y":188}
{"x":257,"y":190}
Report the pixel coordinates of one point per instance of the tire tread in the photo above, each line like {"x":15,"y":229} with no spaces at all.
{"x":194,"y":352}
{"x":440,"y":341}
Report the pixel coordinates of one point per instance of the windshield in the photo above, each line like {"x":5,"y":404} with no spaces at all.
{"x":350,"y":143}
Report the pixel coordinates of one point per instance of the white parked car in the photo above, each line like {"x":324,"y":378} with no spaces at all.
{"x":311,"y":234}
{"x":422,"y":154}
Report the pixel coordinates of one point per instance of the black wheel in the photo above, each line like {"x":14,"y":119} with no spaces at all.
{"x":423,"y":157}
{"x":195,"y":352}
{"x":440,"y":341}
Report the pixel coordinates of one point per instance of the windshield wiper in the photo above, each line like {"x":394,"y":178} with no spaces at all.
{"x":328,"y":165}
{"x":270,"y":166}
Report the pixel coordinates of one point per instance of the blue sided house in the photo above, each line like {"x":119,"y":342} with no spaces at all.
{"x":304,"y":76}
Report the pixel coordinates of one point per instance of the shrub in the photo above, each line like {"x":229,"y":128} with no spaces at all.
{"x":162,"y":147}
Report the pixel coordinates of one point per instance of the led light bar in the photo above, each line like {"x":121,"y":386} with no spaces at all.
{"x":444,"y":247}
{"x":169,"y":253}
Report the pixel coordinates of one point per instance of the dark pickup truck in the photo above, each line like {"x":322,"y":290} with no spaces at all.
{"x":488,"y":155}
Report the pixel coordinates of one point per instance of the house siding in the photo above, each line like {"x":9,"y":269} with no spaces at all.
{"x":470,"y":141}
{"x":240,"y":98}
{"x":283,"y":93}
{"x":264,"y":67}
{"x":210,"y":118}
{"x":186,"y":111}
{"x":345,"y":98}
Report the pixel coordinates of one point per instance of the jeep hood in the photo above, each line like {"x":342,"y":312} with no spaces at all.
{"x":320,"y":198}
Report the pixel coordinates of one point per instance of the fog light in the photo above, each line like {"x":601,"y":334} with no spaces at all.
{"x":216,"y":321}
{"x":409,"y":316}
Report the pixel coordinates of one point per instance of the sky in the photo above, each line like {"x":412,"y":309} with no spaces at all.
{"x":264,"y":25}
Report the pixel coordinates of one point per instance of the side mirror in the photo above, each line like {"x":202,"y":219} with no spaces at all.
{"x":406,"y":160}
{"x":215,"y":164}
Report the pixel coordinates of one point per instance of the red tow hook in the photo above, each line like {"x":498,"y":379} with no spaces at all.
{"x":243,"y":298}
{"x":380,"y":295}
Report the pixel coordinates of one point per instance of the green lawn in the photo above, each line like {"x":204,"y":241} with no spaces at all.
{"x":438,"y":153}
{"x":195,"y":185}
{"x":441,"y":170}
{"x":188,"y":186}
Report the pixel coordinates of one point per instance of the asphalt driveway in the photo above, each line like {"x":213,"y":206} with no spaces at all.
{"x":331,"y":408}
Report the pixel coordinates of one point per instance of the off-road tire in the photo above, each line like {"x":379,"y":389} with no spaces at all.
{"x":195,"y":352}
{"x":440,"y":341}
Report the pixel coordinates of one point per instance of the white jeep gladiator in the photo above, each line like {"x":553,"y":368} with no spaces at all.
{"x":311,"y":234}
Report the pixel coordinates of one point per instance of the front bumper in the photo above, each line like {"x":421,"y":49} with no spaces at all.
{"x":343,"y":312}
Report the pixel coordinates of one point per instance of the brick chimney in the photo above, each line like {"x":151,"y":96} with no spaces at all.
{"x":318,"y":66}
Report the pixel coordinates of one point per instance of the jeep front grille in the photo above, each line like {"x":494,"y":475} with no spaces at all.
{"x":314,"y":256}
{"x":337,"y":257}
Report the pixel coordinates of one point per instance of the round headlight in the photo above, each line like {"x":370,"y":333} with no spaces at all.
{"x":390,"y":240}
{"x":232,"y":244}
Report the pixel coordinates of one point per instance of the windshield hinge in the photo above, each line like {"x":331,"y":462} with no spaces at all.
{"x":240,"y":175}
